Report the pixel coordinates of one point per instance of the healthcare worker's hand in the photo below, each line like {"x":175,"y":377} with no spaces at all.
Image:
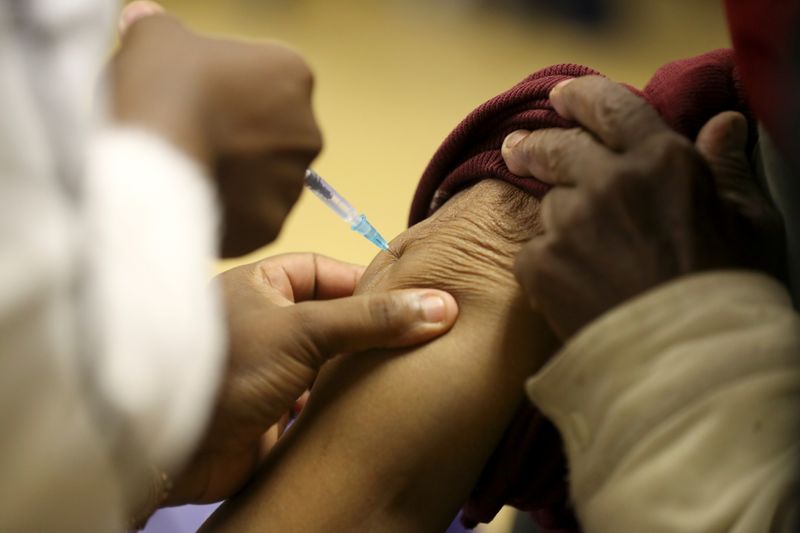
{"x":635,"y":204}
{"x":243,"y":110}
{"x":286,"y":316}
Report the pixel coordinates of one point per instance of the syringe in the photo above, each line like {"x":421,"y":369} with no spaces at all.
{"x":358,"y":222}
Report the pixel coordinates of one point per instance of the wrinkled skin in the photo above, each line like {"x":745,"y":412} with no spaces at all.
{"x":635,"y":204}
{"x":395,"y":441}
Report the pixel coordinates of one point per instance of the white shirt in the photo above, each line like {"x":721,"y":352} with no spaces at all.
{"x":111,"y":339}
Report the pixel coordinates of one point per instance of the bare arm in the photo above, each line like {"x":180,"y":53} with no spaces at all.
{"x":395,"y":441}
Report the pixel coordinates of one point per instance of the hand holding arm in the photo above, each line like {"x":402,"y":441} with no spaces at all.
{"x":679,"y":408}
{"x":280,"y":333}
{"x":635,"y":204}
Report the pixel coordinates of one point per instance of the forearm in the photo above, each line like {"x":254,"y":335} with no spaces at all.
{"x":394,"y":441}
{"x":680,"y":410}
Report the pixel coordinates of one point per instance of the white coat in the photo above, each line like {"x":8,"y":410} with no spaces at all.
{"x":111,"y":340}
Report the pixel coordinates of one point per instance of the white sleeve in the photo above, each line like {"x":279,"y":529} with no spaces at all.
{"x":57,"y":475}
{"x":111,"y":338}
{"x":154,"y":317}
{"x":680,"y":410}
{"x":109,"y":360}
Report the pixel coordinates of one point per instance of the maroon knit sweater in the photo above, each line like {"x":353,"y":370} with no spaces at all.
{"x":686,"y":93}
{"x":527,"y":469}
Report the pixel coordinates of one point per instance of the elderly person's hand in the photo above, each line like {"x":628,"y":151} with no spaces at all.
{"x":635,"y":204}
{"x":280,"y":333}
{"x":243,"y":110}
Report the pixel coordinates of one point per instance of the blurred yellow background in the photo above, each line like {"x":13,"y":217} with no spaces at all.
{"x":393,"y":77}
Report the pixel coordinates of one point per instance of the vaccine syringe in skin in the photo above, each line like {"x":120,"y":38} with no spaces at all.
{"x":357,"y":221}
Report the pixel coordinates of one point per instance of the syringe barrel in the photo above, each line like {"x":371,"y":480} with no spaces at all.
{"x":330,"y":197}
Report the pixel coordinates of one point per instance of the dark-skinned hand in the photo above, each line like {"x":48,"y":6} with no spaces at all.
{"x":240,"y":109}
{"x":287,"y":315}
{"x":634,"y":203}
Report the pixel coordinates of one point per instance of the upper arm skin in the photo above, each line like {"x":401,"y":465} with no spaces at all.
{"x":394,"y":440}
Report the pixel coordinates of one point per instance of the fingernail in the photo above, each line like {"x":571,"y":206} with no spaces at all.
{"x":737,"y":133}
{"x":558,"y":87}
{"x":515,"y":138}
{"x":433,"y":308}
{"x":135,"y":11}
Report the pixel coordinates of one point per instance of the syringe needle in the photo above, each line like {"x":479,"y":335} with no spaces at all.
{"x":336,"y":202}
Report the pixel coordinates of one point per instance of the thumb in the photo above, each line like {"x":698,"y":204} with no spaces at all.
{"x":378,"y":320}
{"x":725,"y":134}
{"x":514,"y":154}
{"x":723,"y":143}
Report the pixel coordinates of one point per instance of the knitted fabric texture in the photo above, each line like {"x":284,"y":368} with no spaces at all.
{"x":528,"y":469}
{"x":686,"y":93}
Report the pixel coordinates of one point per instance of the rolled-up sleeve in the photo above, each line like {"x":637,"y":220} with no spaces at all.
{"x":680,"y":410}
